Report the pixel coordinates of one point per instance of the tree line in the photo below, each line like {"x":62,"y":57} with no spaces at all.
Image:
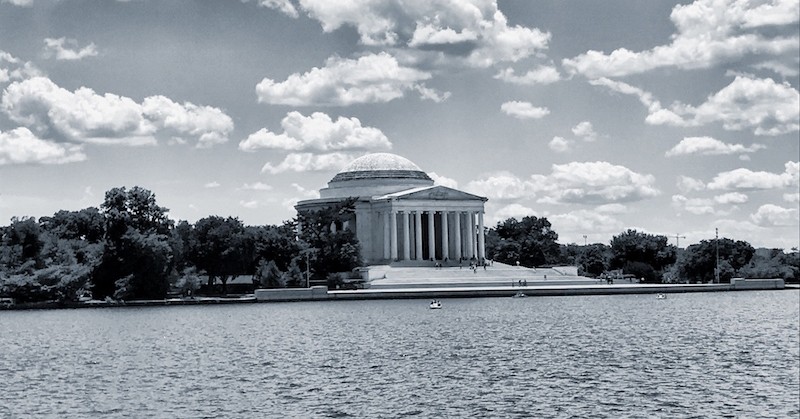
{"x":646,"y":257}
{"x":129,"y":248}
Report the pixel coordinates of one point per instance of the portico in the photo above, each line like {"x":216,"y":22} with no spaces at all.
{"x":402,"y":217}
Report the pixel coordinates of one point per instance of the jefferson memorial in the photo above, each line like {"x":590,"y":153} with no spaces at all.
{"x":401,"y":217}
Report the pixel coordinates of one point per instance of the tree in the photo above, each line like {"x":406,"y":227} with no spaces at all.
{"x":220,"y":247}
{"x":333,"y":251}
{"x":593,"y":259}
{"x":633,"y":246}
{"x":698,"y":262}
{"x":269,"y":276}
{"x":274,"y":243}
{"x":87,"y":224}
{"x":137,"y":260}
{"x":530,"y":241}
{"x":771,"y":263}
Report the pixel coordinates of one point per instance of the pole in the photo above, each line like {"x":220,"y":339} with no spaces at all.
{"x":678,"y":238}
{"x":584,"y":240}
{"x":308,"y":277}
{"x":716,"y":242}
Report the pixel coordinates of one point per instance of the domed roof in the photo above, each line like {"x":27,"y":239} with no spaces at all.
{"x":380,"y":165}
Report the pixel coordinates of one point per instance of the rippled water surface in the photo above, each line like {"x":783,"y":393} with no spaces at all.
{"x":691,"y":355}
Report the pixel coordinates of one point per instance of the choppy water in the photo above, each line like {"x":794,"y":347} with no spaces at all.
{"x":691,"y":355}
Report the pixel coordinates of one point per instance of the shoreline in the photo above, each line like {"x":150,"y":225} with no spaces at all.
{"x":430,"y":292}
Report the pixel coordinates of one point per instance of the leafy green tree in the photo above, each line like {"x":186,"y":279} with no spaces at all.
{"x":531,"y":241}
{"x":87,"y":224}
{"x":771,"y":263}
{"x":337,"y":251}
{"x":23,"y":241}
{"x":633,"y":246}
{"x":269,"y":276}
{"x":698,"y":262}
{"x":294,"y":276}
{"x":275,"y":243}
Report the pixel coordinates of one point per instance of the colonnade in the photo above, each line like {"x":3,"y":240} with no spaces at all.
{"x":451,"y":235}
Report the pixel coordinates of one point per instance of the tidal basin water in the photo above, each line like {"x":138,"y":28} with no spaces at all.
{"x":734,"y":354}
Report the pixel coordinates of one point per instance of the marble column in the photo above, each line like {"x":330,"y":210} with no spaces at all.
{"x":406,"y":238}
{"x":418,"y":234}
{"x":469,"y":226}
{"x":393,"y":235}
{"x":445,"y":237}
{"x":457,"y":231}
{"x":481,"y":238}
{"x":387,"y":244}
{"x":431,"y":237}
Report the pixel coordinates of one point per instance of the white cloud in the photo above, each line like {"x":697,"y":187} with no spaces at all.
{"x":86,"y":117}
{"x":779,"y":68}
{"x":746,"y":179}
{"x":559,"y":144}
{"x":306,"y":193}
{"x":791,"y":197}
{"x":766,"y":107}
{"x":688,"y":184}
{"x":575,"y":223}
{"x":249,"y":204}
{"x":12,"y":68}
{"x":501,"y":185}
{"x":476,"y":33}
{"x":284,"y":6}
{"x":770,"y":215}
{"x":709,"y":32}
{"x":21,"y":3}
{"x":67,"y":49}
{"x":731,"y":198}
{"x":612,"y":208}
{"x":308,"y":162}
{"x":21,"y":146}
{"x":514,"y":210}
{"x":212,"y":185}
{"x":697,"y":206}
{"x":523,"y":110}
{"x":592,"y":183}
{"x":585,"y":131}
{"x":426,"y":93}
{"x":539,"y":75}
{"x":443,"y":180}
{"x":257,"y":186}
{"x":372,"y":78}
{"x":318,"y":132}
{"x":709,"y":146}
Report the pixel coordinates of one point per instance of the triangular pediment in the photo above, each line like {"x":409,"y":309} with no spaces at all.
{"x":436,"y":192}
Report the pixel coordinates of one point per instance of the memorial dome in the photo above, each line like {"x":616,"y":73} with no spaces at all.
{"x":380,"y":166}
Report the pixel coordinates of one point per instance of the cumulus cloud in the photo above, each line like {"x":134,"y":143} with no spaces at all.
{"x":84,"y":116}
{"x":21,"y":3}
{"x":585,"y":131}
{"x":709,"y":32}
{"x":305,"y":192}
{"x":540,"y":75}
{"x":688,"y":184}
{"x":514,"y":210}
{"x":67,"y":49}
{"x":523,"y":110}
{"x":592,"y":183}
{"x":559,"y":144}
{"x":318,"y":132}
{"x":443,"y":180}
{"x":212,"y":185}
{"x":501,"y":185}
{"x":746,"y":179}
{"x":582,"y":221}
{"x":709,"y":146}
{"x":697,"y":206}
{"x":257,"y":186}
{"x":308,"y":162}
{"x":284,"y":6}
{"x":791,"y":197}
{"x":12,"y":68}
{"x":476,"y":33}
{"x":763,"y":105}
{"x":770,"y":215}
{"x":731,"y":198}
{"x":426,"y":93}
{"x":21,"y":146}
{"x":372,"y":78}
{"x":252,"y":204}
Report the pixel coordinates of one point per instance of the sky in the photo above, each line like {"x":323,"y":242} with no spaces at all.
{"x":668,"y":118}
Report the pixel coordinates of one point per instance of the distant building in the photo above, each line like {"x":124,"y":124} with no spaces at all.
{"x":401,"y":217}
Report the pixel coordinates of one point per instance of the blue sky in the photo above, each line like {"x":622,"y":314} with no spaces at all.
{"x":672,"y":119}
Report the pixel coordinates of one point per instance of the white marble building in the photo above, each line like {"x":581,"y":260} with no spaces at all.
{"x":401,"y":217}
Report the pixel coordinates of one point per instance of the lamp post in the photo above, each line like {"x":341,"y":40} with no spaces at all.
{"x":716,"y":268}
{"x":584,"y":240}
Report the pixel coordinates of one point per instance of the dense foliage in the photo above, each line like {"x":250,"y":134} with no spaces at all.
{"x":129,"y":249}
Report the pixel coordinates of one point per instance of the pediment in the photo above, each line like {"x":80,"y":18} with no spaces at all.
{"x":438,"y":193}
